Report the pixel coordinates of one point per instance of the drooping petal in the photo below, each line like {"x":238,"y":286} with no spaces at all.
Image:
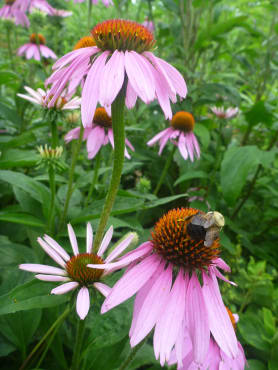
{"x":222,"y":264}
{"x":157,"y":137}
{"x":73,"y":240}
{"x":119,"y":249}
{"x":153,"y":305}
{"x":95,"y":141}
{"x":131,"y":96}
{"x":197,"y":319}
{"x":57,"y":247}
{"x":42,"y":269}
{"x":64,"y":288}
{"x":219,"y":321}
{"x":83,"y":303}
{"x":102,"y":288}
{"x":51,"y":252}
{"x":105,"y":241}
{"x":182,"y":146}
{"x":131,"y":282}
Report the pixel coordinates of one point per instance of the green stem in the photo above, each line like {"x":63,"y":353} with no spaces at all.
{"x":93,"y":184}
{"x":71,"y":176}
{"x":54,"y":134}
{"x":89,"y":14}
{"x":165,"y":169}
{"x":10,"y":47}
{"x":51,"y":176}
{"x":46,"y":335}
{"x":78,"y":345}
{"x":132,"y":355}
{"x":119,"y":141}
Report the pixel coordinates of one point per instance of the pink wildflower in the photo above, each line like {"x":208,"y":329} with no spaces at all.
{"x":11,"y":11}
{"x":64,"y":101}
{"x":226,"y":114}
{"x":98,"y":135}
{"x":181,"y":134}
{"x":34,"y":51}
{"x":60,"y":13}
{"x":149,"y":25}
{"x":169,"y":293}
{"x":73,"y":272}
{"x":29,"y":5}
{"x":122,"y":53}
{"x":215,"y":358}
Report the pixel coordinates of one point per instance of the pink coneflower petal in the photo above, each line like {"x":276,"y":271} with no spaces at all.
{"x":162,"y":95}
{"x":119,"y":249}
{"x":197,"y":318}
{"x":112,"y":78}
{"x":105,"y":241}
{"x":51,"y":277}
{"x":57,"y":247}
{"x":29,"y":98}
{"x":131,"y":96}
{"x":156,"y":298}
{"x":89,"y":100}
{"x":169,"y":324}
{"x":102,"y":288}
{"x":51,"y":252}
{"x":64,"y":288}
{"x":83,"y":303}
{"x":164,"y":140}
{"x":89,"y":239}
{"x":73,"y":240}
{"x":95,"y":141}
{"x":182,"y":146}
{"x":217,"y":273}
{"x":140,"y":74}
{"x":222,"y":264}
{"x":131,"y":282}
{"x":195,"y":144}
{"x":42,"y":269}
{"x":72,"y":134}
{"x":124,"y":261}
{"x":128,"y":143}
{"x":219,"y":321}
{"x":157,"y":137}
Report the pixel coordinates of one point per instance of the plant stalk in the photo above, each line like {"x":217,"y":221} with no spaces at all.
{"x":10,"y":47}
{"x":93,"y":183}
{"x":119,"y":141}
{"x":165,"y":169}
{"x":78,"y":345}
{"x":51,"y":176}
{"x":132,"y":355}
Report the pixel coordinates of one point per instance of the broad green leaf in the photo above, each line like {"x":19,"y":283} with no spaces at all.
{"x":9,"y":114}
{"x":19,"y":140}
{"x":203,"y":133}
{"x":259,"y":114}
{"x":236,"y":165}
{"x":14,"y":158}
{"x":21,"y":218}
{"x":191,"y":175}
{"x":8,"y":78}
{"x":256,"y":365}
{"x":269,"y":322}
{"x":33,"y":294}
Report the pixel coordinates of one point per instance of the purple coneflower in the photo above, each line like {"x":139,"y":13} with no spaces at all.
{"x":11,"y":11}
{"x":64,"y":101}
{"x":29,"y":5}
{"x":74,"y":273}
{"x":176,"y":284}
{"x":36,"y":48}
{"x":181,"y":134}
{"x":222,"y":113}
{"x":60,"y":13}
{"x":149,"y":25}
{"x":99,"y":134}
{"x":122,"y":57}
{"x":215,"y":358}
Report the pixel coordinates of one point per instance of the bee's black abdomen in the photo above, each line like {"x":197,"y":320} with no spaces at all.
{"x":196,"y":232}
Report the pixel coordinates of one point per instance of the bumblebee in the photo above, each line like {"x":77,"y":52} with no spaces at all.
{"x":206,"y":226}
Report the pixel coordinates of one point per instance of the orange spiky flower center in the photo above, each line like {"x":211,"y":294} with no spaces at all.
{"x":172,"y":241}
{"x":232,"y":318}
{"x":102,"y":119}
{"x":37,"y":38}
{"x":84,"y":42}
{"x":78,"y":271}
{"x":120,"y":34}
{"x":183,"y":121}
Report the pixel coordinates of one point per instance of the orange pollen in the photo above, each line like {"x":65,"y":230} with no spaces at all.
{"x":120,"y":34}
{"x":78,"y":271}
{"x":183,"y":121}
{"x":37,"y":38}
{"x":102,"y":119}
{"x":172,"y":241}
{"x":231,"y":316}
{"x":84,"y":42}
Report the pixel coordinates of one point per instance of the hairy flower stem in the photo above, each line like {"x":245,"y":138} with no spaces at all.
{"x":78,"y":345}
{"x":132,"y":355}
{"x":51,"y":176}
{"x":165,"y":169}
{"x":119,"y":140}
{"x":89,"y":14}
{"x":71,"y":176}
{"x":10,"y":47}
{"x":54,"y":134}
{"x":93,"y":183}
{"x":56,"y":323}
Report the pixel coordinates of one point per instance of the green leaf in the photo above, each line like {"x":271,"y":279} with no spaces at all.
{"x":256,"y":365}
{"x":8,"y":77}
{"x":9,"y":114}
{"x":269,"y":322}
{"x":203,"y":133}
{"x":273,"y":362}
{"x":191,"y":175}
{"x":23,"y":139}
{"x":21,"y":218}
{"x":236,"y":165}
{"x":33,"y":294}
{"x":18,"y":158}
{"x":259,"y":114}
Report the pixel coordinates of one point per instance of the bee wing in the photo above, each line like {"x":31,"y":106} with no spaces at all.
{"x":211,"y":235}
{"x":198,"y":220}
